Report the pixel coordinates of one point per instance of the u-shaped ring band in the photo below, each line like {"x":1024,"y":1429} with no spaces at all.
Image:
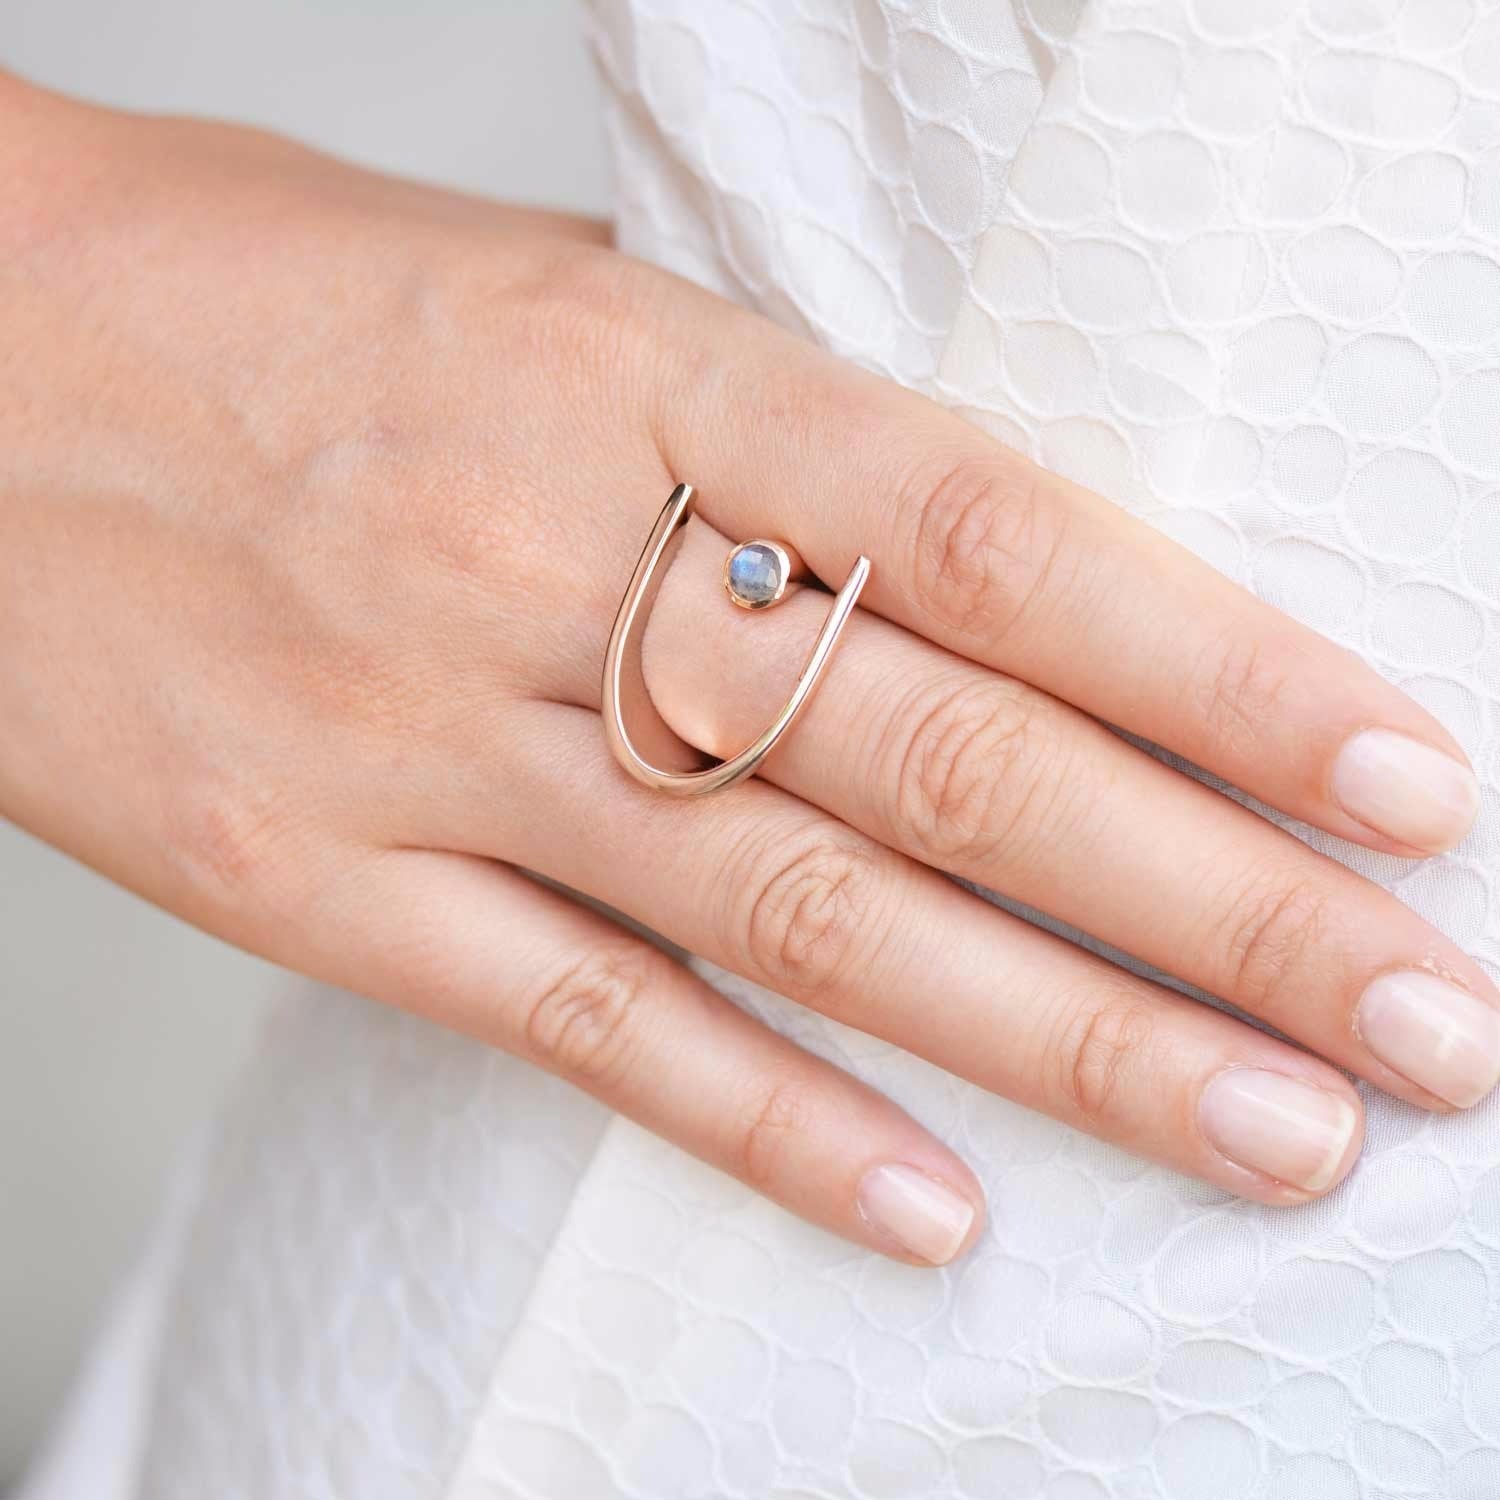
{"x":625,"y":686}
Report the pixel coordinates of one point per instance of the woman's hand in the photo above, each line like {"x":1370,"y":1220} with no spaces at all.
{"x":318,"y":492}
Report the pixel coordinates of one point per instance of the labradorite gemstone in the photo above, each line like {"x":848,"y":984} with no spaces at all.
{"x":754,"y":573}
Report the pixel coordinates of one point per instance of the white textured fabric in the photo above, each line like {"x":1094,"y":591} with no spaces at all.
{"x":1235,"y":263}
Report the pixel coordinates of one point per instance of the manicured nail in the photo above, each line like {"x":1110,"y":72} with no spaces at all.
{"x":1288,"y":1129}
{"x":923,"y":1214}
{"x":1404,"y":789}
{"x":1439,"y":1036}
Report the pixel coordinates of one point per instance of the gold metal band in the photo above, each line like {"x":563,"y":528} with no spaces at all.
{"x":647,"y":741}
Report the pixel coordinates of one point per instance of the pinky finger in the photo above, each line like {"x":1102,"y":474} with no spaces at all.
{"x":478,"y":947}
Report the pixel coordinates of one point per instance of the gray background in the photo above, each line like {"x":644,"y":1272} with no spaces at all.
{"x":119,"y":1026}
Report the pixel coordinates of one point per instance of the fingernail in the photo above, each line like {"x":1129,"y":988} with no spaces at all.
{"x":1283,"y":1127}
{"x":923,"y":1214}
{"x":1439,"y":1036}
{"x":1404,"y":789}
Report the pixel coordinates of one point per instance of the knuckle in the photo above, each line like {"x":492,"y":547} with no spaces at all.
{"x":587,"y":1024}
{"x":1103,"y":1043}
{"x":481,"y":512}
{"x":779,"y":1118}
{"x":963,"y":769}
{"x":1244,"y":689}
{"x":463,"y":535}
{"x":985,"y":545}
{"x":804,"y":920}
{"x":1268,"y":933}
{"x":231,"y":848}
{"x":580,"y":299}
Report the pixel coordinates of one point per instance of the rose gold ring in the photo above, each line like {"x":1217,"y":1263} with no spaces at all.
{"x":755,"y":577}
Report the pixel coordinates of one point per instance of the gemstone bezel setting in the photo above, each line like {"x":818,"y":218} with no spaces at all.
{"x":756,"y":574}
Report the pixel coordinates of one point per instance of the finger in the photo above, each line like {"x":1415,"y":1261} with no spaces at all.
{"x":766,"y":886}
{"x":994,"y":557}
{"x":997,"y":782}
{"x":480,"y":948}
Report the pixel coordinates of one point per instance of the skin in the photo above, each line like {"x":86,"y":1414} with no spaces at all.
{"x":318,"y":492}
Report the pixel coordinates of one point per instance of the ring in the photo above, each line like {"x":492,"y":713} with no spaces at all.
{"x":756,"y":574}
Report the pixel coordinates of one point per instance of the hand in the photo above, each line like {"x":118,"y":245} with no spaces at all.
{"x":319,"y":493}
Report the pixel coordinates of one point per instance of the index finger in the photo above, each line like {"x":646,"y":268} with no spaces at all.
{"x":983,"y":551}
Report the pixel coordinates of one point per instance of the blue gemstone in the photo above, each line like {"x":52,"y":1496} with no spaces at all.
{"x":755,"y":573}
